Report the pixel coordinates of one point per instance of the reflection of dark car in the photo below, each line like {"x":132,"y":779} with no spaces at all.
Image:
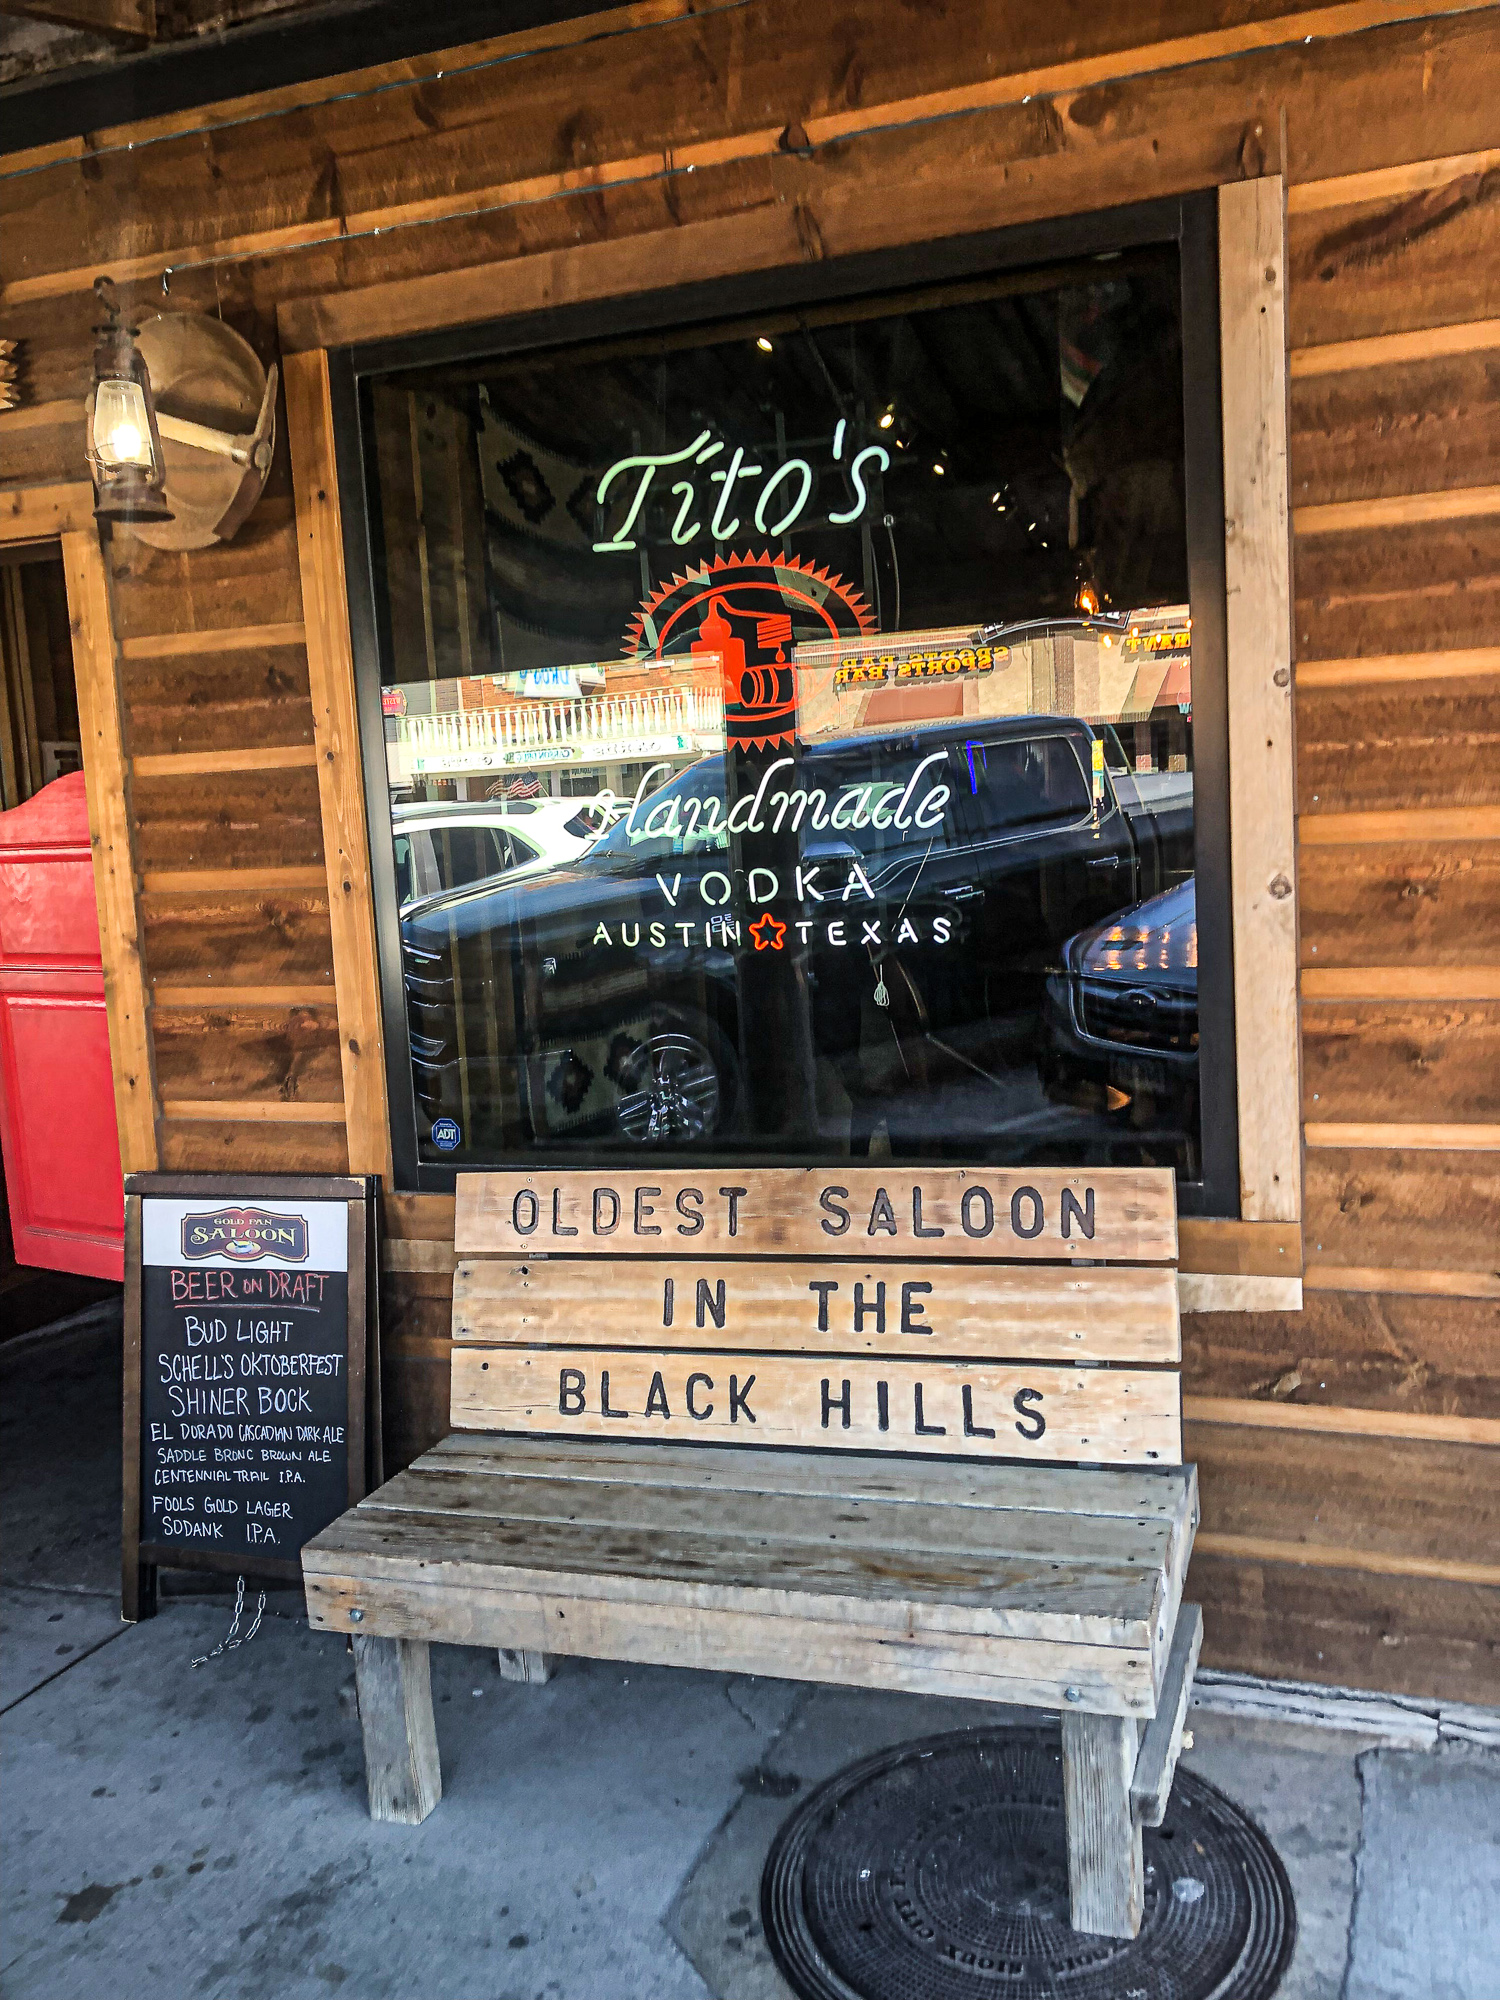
{"x":872,"y":922}
{"x":1120,"y":1020}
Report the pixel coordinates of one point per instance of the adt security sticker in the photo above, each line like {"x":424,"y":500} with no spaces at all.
{"x":446,"y":1135}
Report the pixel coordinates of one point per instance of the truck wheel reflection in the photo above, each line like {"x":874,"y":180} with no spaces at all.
{"x":671,"y":1090}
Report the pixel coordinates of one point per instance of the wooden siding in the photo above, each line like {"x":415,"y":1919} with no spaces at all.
{"x":563,"y":172}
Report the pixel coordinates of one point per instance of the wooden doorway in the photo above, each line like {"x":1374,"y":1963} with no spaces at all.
{"x":59,"y":713}
{"x":39,"y":731}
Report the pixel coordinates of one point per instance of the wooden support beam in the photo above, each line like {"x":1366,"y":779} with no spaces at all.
{"x":1239,"y":1249}
{"x":1375,"y":1278}
{"x":1229,"y":1293}
{"x":210,"y":763}
{"x":1388,"y":183}
{"x":393,"y":1680}
{"x":1401,"y":982}
{"x":1339,"y":1420}
{"x":1399,"y":669}
{"x":106,"y":778}
{"x":1403,"y":1137}
{"x":1392,"y":350}
{"x":1370,"y":1562}
{"x":1355,"y":829}
{"x":1106,"y":1877}
{"x":253,"y":1111}
{"x":1076,"y":74}
{"x":1398,"y":510}
{"x":131,"y":22}
{"x":219,"y":881}
{"x":1161,"y":1740}
{"x":171,"y":995}
{"x":346,"y":847}
{"x":1262,"y":774}
{"x":519,"y":1663}
{"x":39,"y":513}
{"x":239,"y":638}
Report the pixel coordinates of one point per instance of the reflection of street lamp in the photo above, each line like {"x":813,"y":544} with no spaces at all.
{"x":124,"y":446}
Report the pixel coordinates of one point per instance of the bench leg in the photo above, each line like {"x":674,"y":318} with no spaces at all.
{"x":519,"y":1663}
{"x":402,"y":1775}
{"x":1105,"y":1875}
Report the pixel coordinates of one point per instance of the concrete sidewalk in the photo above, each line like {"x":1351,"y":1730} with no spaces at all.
{"x":178,"y":1831}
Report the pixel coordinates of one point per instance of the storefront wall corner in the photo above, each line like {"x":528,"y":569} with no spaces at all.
{"x":1346,"y":1446}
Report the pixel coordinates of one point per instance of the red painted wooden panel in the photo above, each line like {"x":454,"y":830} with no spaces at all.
{"x":57,"y":1102}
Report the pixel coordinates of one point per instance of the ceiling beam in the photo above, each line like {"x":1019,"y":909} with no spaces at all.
{"x":130,"y":21}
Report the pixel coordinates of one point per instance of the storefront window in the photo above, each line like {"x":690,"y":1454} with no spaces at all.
{"x":789,"y":732}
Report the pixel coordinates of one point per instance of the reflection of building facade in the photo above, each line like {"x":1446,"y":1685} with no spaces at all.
{"x":1138,"y":679}
{"x":590,"y":743}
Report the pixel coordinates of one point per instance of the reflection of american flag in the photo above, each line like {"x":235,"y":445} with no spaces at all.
{"x":527,"y":786}
{"x":774,"y":632}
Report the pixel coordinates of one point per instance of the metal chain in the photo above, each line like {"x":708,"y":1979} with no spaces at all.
{"x":233,"y":1637}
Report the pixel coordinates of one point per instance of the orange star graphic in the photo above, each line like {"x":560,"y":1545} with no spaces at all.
{"x":768,"y":933}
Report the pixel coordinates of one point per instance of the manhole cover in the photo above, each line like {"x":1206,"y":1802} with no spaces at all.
{"x":938,"y":1871}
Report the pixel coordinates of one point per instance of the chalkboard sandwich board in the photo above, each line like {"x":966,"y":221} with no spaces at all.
{"x":247,"y":1366}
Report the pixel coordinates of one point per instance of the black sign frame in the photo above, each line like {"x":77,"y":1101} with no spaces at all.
{"x":141,"y":1558}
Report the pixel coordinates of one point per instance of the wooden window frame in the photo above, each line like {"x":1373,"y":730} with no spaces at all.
{"x":1262,"y":750}
{"x":1256,"y":1253}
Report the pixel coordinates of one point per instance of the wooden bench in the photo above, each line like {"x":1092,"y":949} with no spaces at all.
{"x":705,"y":1453}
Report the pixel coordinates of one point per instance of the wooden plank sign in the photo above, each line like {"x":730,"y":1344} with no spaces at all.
{"x":1110,"y":1416}
{"x":961,"y":1311}
{"x":1122,"y":1214}
{"x":1037,"y":1312}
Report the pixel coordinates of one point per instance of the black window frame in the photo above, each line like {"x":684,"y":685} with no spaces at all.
{"x":1190,"y":222}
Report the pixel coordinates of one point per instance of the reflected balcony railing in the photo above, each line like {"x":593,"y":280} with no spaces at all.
{"x":671,"y":721}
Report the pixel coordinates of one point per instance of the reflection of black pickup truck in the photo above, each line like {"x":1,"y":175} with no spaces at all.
{"x":1120,"y":1018}
{"x":911,"y":892}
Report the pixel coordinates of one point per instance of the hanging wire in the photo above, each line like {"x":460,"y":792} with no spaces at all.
{"x":341,"y":237}
{"x":233,"y":1637}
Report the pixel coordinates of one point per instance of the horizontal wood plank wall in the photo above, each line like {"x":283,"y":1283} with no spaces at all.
{"x":233,"y":899}
{"x":1323,"y":1554}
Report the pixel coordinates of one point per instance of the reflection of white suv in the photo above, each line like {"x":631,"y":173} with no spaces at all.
{"x":440,"y":847}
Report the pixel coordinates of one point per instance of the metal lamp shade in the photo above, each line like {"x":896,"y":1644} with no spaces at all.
{"x":124,"y":447}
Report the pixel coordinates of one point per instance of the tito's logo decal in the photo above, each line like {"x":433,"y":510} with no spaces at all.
{"x":748,"y":613}
{"x":245,"y":1235}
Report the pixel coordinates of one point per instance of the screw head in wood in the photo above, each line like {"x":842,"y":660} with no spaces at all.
{"x":1073,"y":1694}
{"x":356,"y":1616}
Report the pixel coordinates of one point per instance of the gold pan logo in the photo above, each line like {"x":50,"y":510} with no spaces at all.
{"x":245,"y":1235}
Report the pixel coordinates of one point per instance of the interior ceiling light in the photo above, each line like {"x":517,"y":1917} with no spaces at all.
{"x":123,"y":442}
{"x":939,"y":467}
{"x":763,"y":344}
{"x":887,"y":420}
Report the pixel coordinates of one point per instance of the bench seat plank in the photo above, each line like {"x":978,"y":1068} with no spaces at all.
{"x":844,"y":1521}
{"x":746,"y":1571}
{"x":1054,"y":1489}
{"x":1088,"y":1497}
{"x":994,"y":1597}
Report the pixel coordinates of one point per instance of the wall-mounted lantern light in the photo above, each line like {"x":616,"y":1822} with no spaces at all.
{"x":124,"y":444}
